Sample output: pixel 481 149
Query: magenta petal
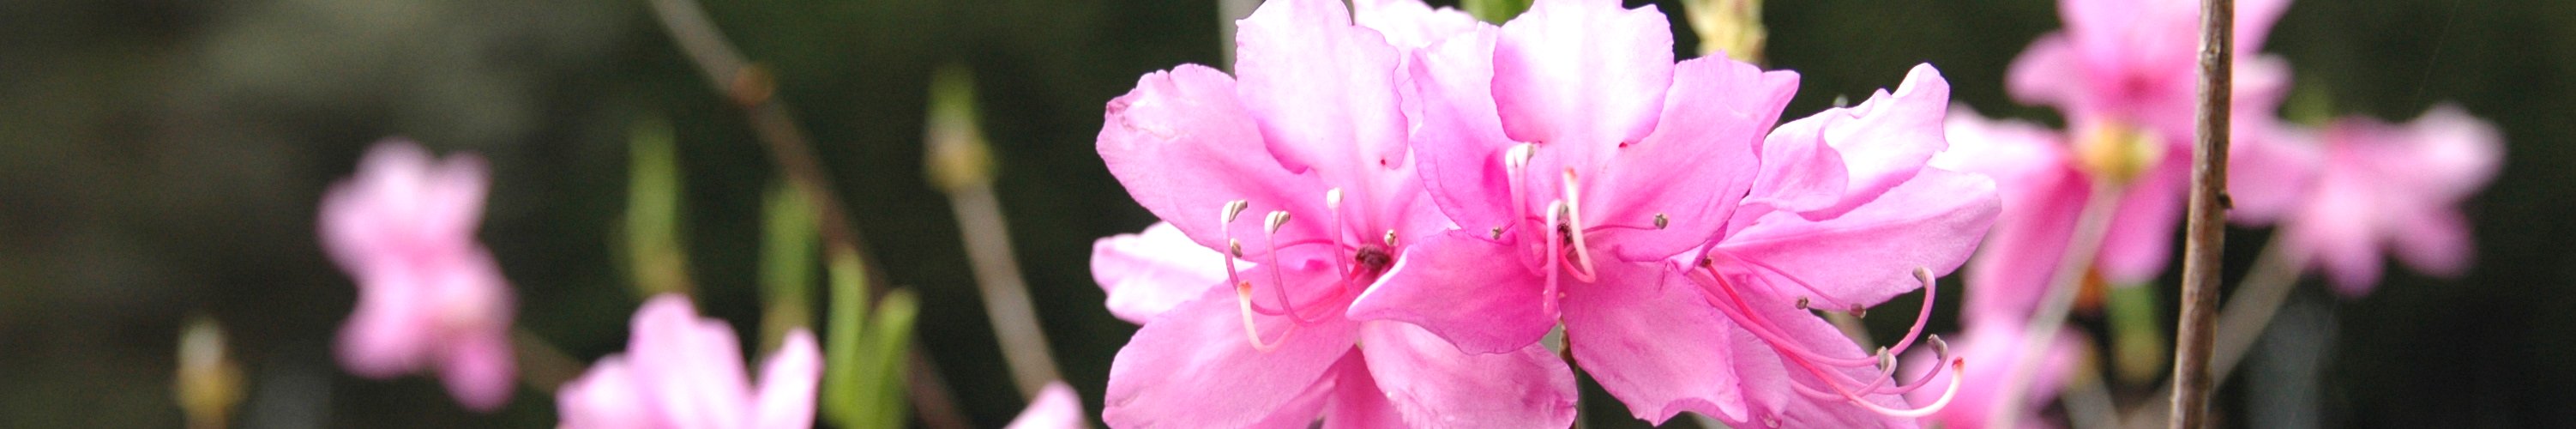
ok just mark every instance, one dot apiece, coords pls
pixel 1356 401
pixel 693 366
pixel 1585 73
pixel 1184 146
pixel 1461 141
pixel 1324 94
pixel 2268 176
pixel 1651 339
pixel 787 383
pixel 1433 384
pixel 606 397
pixel 2139 242
pixel 479 370
pixel 1195 368
pixel 2041 194
pixel 2047 73
pixel 1881 142
pixel 1870 253
pixel 1056 407
pixel 1689 171
pixel 390 333
pixel 1147 273
pixel 1468 290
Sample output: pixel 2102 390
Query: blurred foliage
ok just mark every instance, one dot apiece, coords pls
pixel 160 158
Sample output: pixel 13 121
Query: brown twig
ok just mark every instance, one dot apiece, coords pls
pixel 2205 231
pixel 751 89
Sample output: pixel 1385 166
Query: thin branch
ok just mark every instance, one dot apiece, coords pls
pixel 2259 295
pixel 2064 285
pixel 1006 297
pixel 2205 232
pixel 751 89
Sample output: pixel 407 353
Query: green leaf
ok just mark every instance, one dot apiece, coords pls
pixel 1495 11
pixel 786 265
pixel 653 248
pixel 842 369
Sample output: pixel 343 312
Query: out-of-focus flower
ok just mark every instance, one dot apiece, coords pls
pixel 1055 408
pixel 2394 188
pixel 2123 72
pixel 1570 148
pixel 1313 142
pixel 1995 344
pixel 429 295
pixel 682 371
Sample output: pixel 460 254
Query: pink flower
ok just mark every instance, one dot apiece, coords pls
pixel 2395 187
pixel 1303 167
pixel 429 295
pixel 2123 72
pixel 1055 408
pixel 1995 345
pixel 1583 167
pixel 685 372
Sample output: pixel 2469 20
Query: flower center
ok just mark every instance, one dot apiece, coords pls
pixel 2117 152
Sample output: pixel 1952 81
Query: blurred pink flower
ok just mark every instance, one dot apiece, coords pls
pixel 685 372
pixel 1571 149
pixel 2123 73
pixel 1313 143
pixel 1994 344
pixel 429 295
pixel 2396 187
pixel 1056 407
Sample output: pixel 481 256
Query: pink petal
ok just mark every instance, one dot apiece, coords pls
pixel 2269 176
pixel 1184 146
pixel 1992 348
pixel 606 397
pixel 1870 253
pixel 1195 367
pixel 1651 339
pixel 1300 412
pixel 1324 94
pixel 788 380
pixel 2335 230
pixel 1356 401
pixel 2047 73
pixel 1056 407
pixel 1147 273
pixel 1688 171
pixel 1433 384
pixel 1464 288
pixel 2139 242
pixel 1881 142
pixel 1409 24
pixel 479 370
pixel 1583 73
pixel 2042 196
pixel 693 366
pixel 2455 154
pixel 1461 142
pixel 390 333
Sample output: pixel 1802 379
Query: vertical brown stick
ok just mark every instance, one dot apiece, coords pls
pixel 2205 232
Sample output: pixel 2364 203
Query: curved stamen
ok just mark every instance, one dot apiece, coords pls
pixel 1333 203
pixel 1515 160
pixel 1736 308
pixel 1574 217
pixel 1269 231
pixel 1547 295
pixel 1251 331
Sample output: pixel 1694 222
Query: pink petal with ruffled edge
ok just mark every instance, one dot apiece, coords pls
pixel 1651 339
pixel 1432 384
pixel 1169 374
pixel 1183 145
pixel 1147 273
pixel 1872 147
pixel 1584 74
pixel 1870 253
pixel 1688 173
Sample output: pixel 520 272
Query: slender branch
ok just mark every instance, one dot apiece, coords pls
pixel 2064 285
pixel 751 88
pixel 1006 298
pixel 2205 232
pixel 2259 296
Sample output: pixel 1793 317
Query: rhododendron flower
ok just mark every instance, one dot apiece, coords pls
pixel 682 371
pixel 1055 408
pixel 2124 74
pixel 1996 344
pixel 2395 187
pixel 1302 168
pixel 429 295
pixel 1583 167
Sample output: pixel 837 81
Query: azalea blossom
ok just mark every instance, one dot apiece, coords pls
pixel 683 371
pixel 429 295
pixel 1295 182
pixel 2123 73
pixel 1651 208
pixel 2393 188
pixel 1055 408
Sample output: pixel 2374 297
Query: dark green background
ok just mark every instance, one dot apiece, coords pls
pixel 163 158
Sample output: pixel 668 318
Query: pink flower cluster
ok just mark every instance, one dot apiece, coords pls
pixel 429 295
pixel 1379 218
pixel 681 371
